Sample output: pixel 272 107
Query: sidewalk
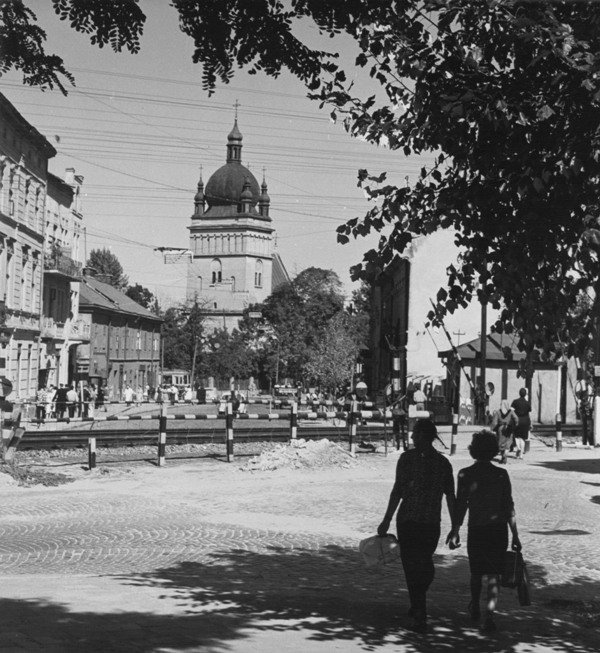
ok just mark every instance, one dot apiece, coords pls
pixel 199 556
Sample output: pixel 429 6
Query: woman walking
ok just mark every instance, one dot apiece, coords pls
pixel 485 491
pixel 504 423
pixel 423 477
pixel 522 409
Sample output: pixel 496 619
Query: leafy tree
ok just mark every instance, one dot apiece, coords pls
pixel 183 332
pixel 106 263
pixel 144 297
pixel 503 94
pixel 332 362
pixel 295 317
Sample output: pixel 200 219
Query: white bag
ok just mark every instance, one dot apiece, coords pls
pixel 379 551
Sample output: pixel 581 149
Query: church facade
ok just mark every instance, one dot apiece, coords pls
pixel 232 241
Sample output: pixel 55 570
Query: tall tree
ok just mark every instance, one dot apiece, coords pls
pixel 182 334
pixel 504 94
pixel 104 262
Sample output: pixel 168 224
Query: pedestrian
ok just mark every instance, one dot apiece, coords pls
pixel 188 395
pixel 419 397
pixel 50 398
pixel 60 399
pixel 100 397
pixel 128 395
pixel 423 477
pixel 172 391
pixel 72 399
pixel 522 408
pixel 504 423
pixel 139 396
pixel 485 491
pixel 41 400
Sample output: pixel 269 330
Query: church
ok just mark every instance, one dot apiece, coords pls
pixel 232 241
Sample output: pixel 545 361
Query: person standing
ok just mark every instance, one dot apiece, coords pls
pixel 423 477
pixel 60 400
pixel 100 397
pixel 522 409
pixel 128 395
pixel 485 491
pixel 72 400
pixel 41 400
pixel 504 423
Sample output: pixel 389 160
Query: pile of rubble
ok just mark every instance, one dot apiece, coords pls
pixel 301 454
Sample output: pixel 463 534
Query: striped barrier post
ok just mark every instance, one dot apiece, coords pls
pixel 229 431
pixel 558 432
pixel 91 453
pixel 162 435
pixel 294 421
pixel 352 427
pixel 454 434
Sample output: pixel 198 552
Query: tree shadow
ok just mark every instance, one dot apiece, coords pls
pixel 581 466
pixel 305 595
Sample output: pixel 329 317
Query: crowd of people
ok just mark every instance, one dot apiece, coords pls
pixel 424 477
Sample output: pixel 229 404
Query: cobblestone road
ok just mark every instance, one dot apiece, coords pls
pixel 233 559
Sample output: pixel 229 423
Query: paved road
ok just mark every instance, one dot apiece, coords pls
pixel 199 556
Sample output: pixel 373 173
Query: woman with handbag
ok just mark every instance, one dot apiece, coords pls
pixel 485 491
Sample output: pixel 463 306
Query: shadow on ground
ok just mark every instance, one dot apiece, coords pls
pixel 581 466
pixel 305 595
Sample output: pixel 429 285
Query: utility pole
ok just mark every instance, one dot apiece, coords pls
pixel 483 362
pixel 458 334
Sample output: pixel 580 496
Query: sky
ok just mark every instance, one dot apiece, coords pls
pixel 140 127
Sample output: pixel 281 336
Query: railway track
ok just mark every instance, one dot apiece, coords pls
pixel 78 438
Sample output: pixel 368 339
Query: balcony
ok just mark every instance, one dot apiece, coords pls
pixel 63 266
pixel 76 330
pixel 51 328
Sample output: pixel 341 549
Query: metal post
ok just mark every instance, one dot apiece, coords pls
pixel 162 435
pixel 294 421
pixel 229 431
pixel 352 427
pixel 454 433
pixel 558 432
pixel 91 453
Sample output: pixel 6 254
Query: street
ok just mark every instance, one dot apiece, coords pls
pixel 200 556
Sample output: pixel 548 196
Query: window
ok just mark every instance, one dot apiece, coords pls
pixel 258 272
pixel 199 284
pixel 232 284
pixel 216 271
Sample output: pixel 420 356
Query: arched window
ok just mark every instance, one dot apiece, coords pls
pixel 258 272
pixel 216 271
pixel 232 284
pixel 199 284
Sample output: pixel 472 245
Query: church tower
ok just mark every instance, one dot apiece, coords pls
pixel 231 240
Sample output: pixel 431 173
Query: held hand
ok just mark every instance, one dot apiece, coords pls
pixel 453 540
pixel 382 529
pixel 516 543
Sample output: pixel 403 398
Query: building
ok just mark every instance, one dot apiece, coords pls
pixel 62 329
pixel 124 343
pixel 24 156
pixel 552 388
pixel 233 262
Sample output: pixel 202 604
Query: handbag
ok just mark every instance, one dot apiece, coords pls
pixel 379 551
pixel 512 572
pixel 524 589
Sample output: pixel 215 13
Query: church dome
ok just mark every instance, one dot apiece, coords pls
pixel 226 185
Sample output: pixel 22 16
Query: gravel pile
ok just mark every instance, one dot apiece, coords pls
pixel 301 454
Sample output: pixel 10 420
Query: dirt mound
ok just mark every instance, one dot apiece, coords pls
pixel 301 454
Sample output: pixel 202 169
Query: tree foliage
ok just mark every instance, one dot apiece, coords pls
pixel 183 331
pixel 503 94
pixel 331 363
pixel 104 262
pixel 143 297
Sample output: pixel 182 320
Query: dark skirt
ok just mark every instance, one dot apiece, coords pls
pixel 486 546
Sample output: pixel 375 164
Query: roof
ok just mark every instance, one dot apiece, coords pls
pixel 499 346
pixel 279 274
pixel 225 186
pixel 97 294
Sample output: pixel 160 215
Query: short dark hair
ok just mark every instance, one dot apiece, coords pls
pixel 484 445
pixel 426 428
pixel 523 392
